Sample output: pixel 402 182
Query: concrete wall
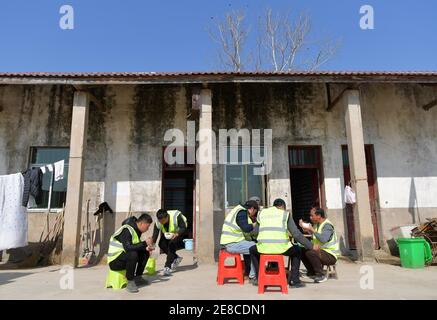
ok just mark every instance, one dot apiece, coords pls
pixel 404 139
pixel 296 113
pixel 125 139
pixel 125 147
pixel 403 135
pixel 123 163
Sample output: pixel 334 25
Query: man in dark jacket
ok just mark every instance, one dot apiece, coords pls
pixel 238 231
pixel 171 223
pixel 134 253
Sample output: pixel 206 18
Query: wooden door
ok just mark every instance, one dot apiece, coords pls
pixel 371 182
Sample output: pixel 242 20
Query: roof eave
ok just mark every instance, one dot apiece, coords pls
pixel 219 78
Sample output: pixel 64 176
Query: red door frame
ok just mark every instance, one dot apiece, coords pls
pixel 185 167
pixel 373 191
pixel 318 166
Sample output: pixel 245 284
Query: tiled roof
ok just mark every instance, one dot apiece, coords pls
pixel 86 78
pixel 214 73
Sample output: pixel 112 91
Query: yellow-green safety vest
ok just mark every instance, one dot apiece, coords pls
pixel 116 247
pixel 231 232
pixel 273 237
pixel 332 246
pixel 173 222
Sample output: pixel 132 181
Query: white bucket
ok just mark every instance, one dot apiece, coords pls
pixel 402 231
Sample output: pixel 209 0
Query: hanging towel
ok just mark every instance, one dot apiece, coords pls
pixel 59 170
pixel 13 216
pixel 43 169
pixel 50 167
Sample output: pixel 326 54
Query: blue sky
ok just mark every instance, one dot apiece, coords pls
pixel 170 35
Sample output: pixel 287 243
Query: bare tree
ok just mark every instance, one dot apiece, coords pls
pixel 231 35
pixel 283 39
pixel 282 44
pixel 327 50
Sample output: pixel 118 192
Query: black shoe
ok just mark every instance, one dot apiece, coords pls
pixel 320 278
pixel 308 275
pixel 140 281
pixel 299 284
pixel 131 287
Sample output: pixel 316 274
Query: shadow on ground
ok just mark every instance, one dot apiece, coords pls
pixel 156 279
pixel 9 277
pixel 186 268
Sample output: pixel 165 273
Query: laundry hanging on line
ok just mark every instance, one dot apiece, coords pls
pixel 33 179
pixel 56 168
pixel 13 215
pixel 59 170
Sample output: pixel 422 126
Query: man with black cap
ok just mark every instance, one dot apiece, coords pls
pixel 238 225
pixel 275 225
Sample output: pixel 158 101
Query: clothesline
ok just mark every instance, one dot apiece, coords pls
pixel 15 190
pixel 58 168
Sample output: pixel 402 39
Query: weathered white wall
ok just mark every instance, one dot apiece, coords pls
pixel 404 139
pixel 296 114
pixel 123 160
pixel 124 152
pixel 403 135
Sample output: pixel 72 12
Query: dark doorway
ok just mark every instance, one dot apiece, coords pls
pixel 306 177
pixel 178 191
pixel 371 181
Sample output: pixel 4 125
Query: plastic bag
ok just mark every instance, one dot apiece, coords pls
pixel 349 195
pixel 151 266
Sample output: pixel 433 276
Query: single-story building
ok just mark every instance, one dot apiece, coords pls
pixel 374 131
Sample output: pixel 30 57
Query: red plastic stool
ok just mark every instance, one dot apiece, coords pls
pixel 268 278
pixel 235 271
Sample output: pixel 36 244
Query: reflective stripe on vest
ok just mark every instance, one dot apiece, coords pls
pixel 231 232
pixel 332 246
pixel 273 235
pixel 116 247
pixel 172 221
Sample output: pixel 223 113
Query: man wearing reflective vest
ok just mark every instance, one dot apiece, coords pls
pixel 174 224
pixel 127 251
pixel 275 227
pixel 236 232
pixel 326 248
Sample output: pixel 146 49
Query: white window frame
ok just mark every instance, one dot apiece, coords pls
pixel 264 180
pixel 39 165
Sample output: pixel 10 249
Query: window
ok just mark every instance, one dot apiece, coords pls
pixel 241 182
pixel 42 156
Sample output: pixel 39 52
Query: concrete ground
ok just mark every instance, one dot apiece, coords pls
pixel 198 282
